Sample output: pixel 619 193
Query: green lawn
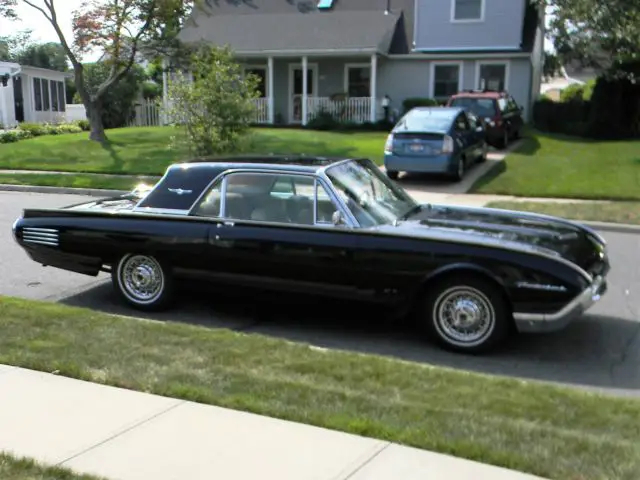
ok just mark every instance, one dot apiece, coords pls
pixel 78 180
pixel 13 468
pixel 568 167
pixel 614 212
pixel 547 430
pixel 146 150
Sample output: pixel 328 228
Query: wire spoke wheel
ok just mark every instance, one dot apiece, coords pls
pixel 142 281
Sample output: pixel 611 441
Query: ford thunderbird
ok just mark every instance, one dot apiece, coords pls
pixel 329 226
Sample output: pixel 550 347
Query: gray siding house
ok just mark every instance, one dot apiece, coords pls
pixel 345 56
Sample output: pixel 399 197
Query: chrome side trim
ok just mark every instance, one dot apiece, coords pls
pixel 540 286
pixel 579 304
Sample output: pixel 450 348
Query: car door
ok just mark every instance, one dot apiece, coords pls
pixel 270 235
pixel 477 134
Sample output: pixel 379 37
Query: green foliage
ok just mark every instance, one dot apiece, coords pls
pixel 151 90
pixel 34 129
pixel 561 117
pixel 117 102
pixel 31 130
pixel 413 102
pixel 578 92
pixel 84 125
pixel 217 108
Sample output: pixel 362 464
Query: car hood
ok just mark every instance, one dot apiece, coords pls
pixel 493 227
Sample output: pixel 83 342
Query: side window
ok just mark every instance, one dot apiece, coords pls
pixel 324 205
pixel 473 121
pixel 503 105
pixel 461 123
pixel 209 205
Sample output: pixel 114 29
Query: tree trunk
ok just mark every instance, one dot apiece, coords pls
pixel 94 113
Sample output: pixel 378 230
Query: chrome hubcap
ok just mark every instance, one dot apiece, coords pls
pixel 464 316
pixel 142 278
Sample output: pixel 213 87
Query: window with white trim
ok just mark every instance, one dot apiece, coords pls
pixel 465 10
pixel 446 80
pixel 493 76
pixel 49 95
pixel 359 81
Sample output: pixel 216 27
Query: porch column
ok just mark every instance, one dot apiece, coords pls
pixel 4 116
pixel 373 87
pixel 305 67
pixel 270 90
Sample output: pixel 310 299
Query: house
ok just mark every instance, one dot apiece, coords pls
pixel 345 56
pixel 31 94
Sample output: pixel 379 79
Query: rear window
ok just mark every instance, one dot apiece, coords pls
pixel 481 107
pixel 179 189
pixel 426 121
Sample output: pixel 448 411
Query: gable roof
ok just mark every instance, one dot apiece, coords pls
pixel 298 26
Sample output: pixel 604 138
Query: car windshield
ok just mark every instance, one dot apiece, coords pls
pixel 482 107
pixel 431 120
pixel 371 197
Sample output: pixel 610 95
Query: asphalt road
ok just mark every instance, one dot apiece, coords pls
pixel 601 350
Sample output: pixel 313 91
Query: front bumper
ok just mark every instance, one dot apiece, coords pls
pixel 551 322
pixel 420 164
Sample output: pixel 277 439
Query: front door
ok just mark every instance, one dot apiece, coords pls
pixel 295 90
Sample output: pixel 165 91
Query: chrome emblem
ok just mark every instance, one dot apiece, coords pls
pixel 179 191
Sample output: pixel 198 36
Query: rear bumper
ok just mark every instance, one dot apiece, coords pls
pixel 550 322
pixel 426 164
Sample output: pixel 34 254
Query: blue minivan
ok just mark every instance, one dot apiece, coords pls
pixel 443 140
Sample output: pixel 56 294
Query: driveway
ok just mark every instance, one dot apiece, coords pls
pixel 599 351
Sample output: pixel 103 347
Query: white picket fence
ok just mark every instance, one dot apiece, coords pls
pixel 74 112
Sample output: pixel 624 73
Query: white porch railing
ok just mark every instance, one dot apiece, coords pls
pixel 353 109
pixel 262 110
pixel 7 107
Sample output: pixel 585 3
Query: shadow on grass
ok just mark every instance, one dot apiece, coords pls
pixel 117 164
pixel 366 328
pixel 529 146
pixel 265 144
pixel 498 169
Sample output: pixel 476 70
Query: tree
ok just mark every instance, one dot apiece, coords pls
pixel 551 65
pixel 49 55
pixel 217 107
pixel 120 28
pixel 601 34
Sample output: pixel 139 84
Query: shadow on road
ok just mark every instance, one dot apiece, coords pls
pixel 582 354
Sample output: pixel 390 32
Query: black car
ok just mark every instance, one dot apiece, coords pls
pixel 336 227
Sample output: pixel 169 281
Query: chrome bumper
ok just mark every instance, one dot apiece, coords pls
pixel 549 322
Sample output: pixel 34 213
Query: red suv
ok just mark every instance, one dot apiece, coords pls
pixel 499 112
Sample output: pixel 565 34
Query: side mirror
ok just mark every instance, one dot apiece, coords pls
pixel 337 218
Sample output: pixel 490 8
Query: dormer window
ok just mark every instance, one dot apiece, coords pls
pixel 467 10
pixel 325 4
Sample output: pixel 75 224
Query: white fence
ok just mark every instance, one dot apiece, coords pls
pixel 75 112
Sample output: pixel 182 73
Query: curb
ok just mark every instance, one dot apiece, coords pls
pixel 91 192
pixel 96 192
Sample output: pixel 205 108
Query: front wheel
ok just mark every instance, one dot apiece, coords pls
pixel 465 314
pixel 143 281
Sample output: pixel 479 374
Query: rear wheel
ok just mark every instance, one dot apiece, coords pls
pixel 504 141
pixel 483 156
pixel 393 175
pixel 143 281
pixel 465 313
pixel 460 169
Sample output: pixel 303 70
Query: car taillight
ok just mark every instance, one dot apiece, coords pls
pixel 388 146
pixel 447 144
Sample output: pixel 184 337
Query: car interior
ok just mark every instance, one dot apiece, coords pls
pixel 266 198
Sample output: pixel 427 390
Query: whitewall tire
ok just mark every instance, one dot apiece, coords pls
pixel 143 281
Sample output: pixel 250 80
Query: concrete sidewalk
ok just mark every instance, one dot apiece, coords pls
pixel 127 435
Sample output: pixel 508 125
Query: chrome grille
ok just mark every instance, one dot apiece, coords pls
pixel 40 236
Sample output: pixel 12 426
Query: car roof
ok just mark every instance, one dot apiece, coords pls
pixel 440 111
pixel 480 94
pixel 300 163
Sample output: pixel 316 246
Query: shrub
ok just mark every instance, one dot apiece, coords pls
pixel 413 102
pixel 35 129
pixel 561 117
pixel 323 120
pixel 572 93
pixel 67 128
pixel 10 136
pixel 84 125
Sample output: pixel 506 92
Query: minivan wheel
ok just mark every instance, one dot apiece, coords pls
pixel 465 313
pixel 143 281
pixel 460 168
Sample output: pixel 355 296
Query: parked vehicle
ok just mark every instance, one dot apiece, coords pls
pixel 435 140
pixel 336 227
pixel 501 115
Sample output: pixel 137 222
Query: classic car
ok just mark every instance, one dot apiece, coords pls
pixel 442 140
pixel 329 226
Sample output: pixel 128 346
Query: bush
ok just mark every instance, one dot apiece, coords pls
pixel 572 93
pixel 561 117
pixel 84 125
pixel 413 102
pixel 10 137
pixel 323 120
pixel 35 129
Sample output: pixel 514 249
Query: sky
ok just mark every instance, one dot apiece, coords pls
pixel 42 31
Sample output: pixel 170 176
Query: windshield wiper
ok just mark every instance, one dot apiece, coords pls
pixel 413 210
